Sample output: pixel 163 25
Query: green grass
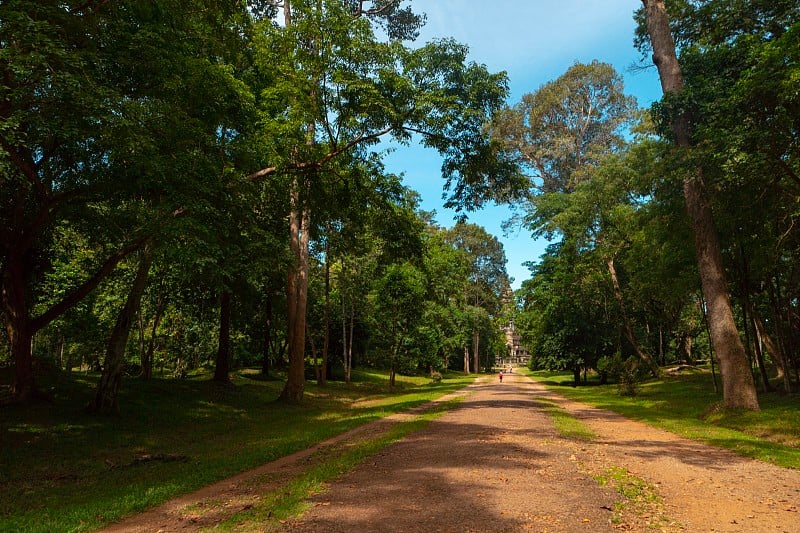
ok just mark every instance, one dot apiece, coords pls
pixel 687 405
pixel 567 425
pixel 641 498
pixel 64 470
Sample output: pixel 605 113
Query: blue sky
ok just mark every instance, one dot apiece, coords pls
pixel 534 41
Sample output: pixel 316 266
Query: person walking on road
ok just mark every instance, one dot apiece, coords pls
pixel 501 376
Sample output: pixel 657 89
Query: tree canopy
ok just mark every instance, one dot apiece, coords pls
pixel 199 186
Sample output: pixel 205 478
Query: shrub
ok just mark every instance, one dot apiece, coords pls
pixel 626 373
pixel 630 377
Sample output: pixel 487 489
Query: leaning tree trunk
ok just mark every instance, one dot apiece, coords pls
pixel 774 350
pixel 627 327
pixel 106 398
pixel 222 367
pixel 738 387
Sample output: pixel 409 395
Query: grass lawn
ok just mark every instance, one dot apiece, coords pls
pixel 687 405
pixel 64 470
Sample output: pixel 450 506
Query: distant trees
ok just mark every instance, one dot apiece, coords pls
pixel 564 137
pixel 341 89
pixel 485 285
pixel 566 317
pixel 718 142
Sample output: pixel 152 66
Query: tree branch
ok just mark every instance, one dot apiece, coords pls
pixel 28 170
pixel 375 10
pixel 88 286
pixel 87 5
pixel 789 172
pixel 301 167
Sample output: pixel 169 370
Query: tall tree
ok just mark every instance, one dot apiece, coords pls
pixel 487 280
pixel 738 386
pixel 106 398
pixel 738 61
pixel 561 134
pixel 346 89
pixel 397 299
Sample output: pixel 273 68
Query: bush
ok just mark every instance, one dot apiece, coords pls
pixel 626 373
pixel 610 368
pixel 630 377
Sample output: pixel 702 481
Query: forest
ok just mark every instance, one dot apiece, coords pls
pixel 196 187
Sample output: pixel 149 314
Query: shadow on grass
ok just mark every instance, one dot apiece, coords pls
pixel 84 465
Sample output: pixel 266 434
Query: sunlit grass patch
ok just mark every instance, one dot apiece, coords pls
pixel 567 425
pixel 640 498
pixel 687 405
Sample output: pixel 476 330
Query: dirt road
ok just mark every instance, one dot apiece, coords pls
pixel 496 463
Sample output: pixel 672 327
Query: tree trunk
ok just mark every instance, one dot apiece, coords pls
pixel 222 367
pixel 18 323
pixel 627 327
pixel 476 339
pixel 313 348
pixel 142 343
pixel 466 359
pixel 347 346
pixel 393 369
pixel 783 333
pixel 326 318
pixel 349 366
pixel 106 398
pixel 344 335
pixel 762 368
pixel 711 356
pixel 20 337
pixel 148 355
pixel 774 349
pixel 62 341
pixel 266 342
pixel 738 387
pixel 747 311
pixel 297 297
